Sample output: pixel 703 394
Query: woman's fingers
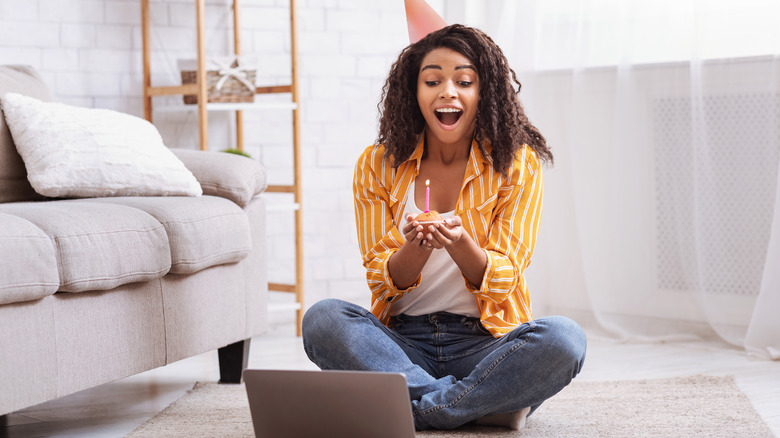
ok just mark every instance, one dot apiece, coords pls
pixel 454 221
pixel 437 235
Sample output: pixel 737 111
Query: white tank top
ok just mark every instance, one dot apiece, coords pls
pixel 442 287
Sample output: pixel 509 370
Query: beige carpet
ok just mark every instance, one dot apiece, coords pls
pixel 696 406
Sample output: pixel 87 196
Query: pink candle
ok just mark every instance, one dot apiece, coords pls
pixel 427 193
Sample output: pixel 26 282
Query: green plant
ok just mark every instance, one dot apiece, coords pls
pixel 237 152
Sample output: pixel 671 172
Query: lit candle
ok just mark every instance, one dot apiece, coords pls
pixel 427 193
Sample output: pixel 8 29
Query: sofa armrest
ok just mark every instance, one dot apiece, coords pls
pixel 225 175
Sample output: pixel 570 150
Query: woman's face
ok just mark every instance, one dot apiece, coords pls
pixel 447 92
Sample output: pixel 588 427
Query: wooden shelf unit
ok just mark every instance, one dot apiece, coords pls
pixel 203 108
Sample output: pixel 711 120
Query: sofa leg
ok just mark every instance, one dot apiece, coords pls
pixel 233 361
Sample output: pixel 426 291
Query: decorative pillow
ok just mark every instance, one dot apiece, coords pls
pixel 228 176
pixel 86 152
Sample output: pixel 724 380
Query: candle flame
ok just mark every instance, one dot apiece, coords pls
pixel 427 182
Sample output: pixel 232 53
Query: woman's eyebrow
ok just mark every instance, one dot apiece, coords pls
pixel 457 67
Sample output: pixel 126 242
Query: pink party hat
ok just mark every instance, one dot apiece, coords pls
pixel 421 19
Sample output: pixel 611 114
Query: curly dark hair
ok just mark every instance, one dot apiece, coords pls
pixel 500 116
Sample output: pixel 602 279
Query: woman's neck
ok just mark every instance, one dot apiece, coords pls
pixel 446 153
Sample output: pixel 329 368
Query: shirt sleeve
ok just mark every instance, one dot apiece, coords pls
pixel 378 236
pixel 513 231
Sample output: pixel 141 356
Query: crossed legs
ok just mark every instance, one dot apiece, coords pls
pixel 455 373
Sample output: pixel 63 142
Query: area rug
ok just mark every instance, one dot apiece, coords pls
pixel 702 406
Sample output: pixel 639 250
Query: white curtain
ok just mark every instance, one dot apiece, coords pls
pixel 662 212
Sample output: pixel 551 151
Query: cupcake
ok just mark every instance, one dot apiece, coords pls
pixel 429 217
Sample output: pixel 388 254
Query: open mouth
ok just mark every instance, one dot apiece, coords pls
pixel 448 116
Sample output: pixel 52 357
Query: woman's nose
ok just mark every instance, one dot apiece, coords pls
pixel 448 91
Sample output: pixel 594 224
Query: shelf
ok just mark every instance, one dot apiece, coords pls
pixel 282 206
pixel 239 106
pixel 202 109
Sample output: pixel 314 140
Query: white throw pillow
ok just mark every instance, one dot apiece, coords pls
pixel 86 152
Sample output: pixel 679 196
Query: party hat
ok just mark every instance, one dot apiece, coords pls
pixel 421 19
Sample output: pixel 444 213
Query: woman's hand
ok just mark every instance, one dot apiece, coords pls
pixel 470 258
pixel 413 231
pixel 444 234
pixel 406 264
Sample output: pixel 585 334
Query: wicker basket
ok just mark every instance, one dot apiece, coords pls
pixel 229 80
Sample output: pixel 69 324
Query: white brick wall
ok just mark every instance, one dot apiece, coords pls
pixel 89 52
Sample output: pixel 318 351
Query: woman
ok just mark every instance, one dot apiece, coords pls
pixel 450 308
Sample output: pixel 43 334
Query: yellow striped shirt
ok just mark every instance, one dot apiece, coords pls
pixel 501 214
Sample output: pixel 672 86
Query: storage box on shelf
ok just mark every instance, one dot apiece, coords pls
pixel 230 79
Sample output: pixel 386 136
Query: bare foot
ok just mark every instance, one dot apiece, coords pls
pixel 511 420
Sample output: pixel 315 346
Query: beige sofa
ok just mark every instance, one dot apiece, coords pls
pixel 93 290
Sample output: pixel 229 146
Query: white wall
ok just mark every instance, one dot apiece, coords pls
pixel 89 52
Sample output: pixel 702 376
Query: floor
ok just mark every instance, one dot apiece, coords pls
pixel 117 408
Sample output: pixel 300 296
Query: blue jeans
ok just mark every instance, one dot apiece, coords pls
pixel 455 370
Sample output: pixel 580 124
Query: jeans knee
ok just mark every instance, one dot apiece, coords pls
pixel 319 317
pixel 316 325
pixel 569 337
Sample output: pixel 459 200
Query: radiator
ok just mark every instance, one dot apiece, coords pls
pixel 716 176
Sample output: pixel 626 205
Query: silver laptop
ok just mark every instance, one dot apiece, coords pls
pixel 323 404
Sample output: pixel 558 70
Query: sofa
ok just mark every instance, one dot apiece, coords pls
pixel 94 289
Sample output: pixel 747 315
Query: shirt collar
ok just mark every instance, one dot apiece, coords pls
pixel 476 164
pixel 474 167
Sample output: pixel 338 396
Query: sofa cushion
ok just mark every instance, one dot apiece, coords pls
pixel 99 246
pixel 226 175
pixel 28 266
pixel 84 152
pixel 14 185
pixel 202 232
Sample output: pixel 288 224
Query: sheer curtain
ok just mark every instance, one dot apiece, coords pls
pixel 662 212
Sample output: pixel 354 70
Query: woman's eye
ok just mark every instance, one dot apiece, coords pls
pixel 431 83
pixel 464 83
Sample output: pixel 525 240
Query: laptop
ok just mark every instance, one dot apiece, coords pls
pixel 324 404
